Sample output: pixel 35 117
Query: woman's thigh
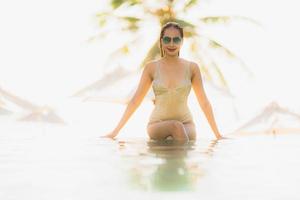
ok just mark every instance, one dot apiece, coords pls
pixel 163 129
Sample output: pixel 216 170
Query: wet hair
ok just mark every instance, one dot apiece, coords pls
pixel 162 32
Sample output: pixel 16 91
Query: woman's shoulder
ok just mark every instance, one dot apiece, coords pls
pixel 153 62
pixel 150 67
pixel 190 63
pixel 193 66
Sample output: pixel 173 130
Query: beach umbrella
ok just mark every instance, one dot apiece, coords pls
pixel 43 113
pixel 3 109
pixel 33 112
pixel 272 119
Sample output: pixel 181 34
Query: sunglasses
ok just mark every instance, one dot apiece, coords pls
pixel 167 39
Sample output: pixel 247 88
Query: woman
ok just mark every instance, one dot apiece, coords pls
pixel 172 79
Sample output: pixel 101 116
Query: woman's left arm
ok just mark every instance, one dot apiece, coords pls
pixel 202 98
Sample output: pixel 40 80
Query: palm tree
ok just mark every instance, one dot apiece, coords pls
pixel 201 46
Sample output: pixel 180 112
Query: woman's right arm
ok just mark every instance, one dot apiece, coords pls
pixel 143 87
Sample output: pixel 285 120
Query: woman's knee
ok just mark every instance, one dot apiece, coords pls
pixel 177 125
pixel 171 127
pixel 178 129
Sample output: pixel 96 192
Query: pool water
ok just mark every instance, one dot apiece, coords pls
pixel 43 162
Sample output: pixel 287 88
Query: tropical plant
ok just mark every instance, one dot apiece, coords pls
pixel 130 15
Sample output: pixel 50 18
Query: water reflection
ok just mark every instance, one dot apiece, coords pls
pixel 165 165
pixel 173 173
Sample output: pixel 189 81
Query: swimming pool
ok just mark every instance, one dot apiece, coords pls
pixel 49 162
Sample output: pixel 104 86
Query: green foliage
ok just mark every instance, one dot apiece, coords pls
pixel 117 3
pixel 226 19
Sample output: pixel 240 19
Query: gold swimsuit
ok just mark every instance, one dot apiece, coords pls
pixel 171 103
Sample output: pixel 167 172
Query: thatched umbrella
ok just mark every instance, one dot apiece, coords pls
pixel 3 109
pixel 272 119
pixel 36 113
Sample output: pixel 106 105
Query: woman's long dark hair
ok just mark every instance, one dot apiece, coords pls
pixel 162 32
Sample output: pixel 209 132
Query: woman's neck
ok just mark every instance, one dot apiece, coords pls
pixel 171 58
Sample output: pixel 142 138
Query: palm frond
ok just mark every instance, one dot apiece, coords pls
pixel 208 78
pixel 189 4
pixel 206 73
pixel 215 44
pixel 207 64
pixel 100 35
pixel 199 58
pixel 227 19
pixel 124 50
pixel 188 27
pixel 131 19
pixel 134 2
pixel 117 3
pixel 152 54
pixel 132 22
pixel 102 18
pixel 219 74
pixel 205 68
pixel 184 23
pixel 194 48
pixel 211 64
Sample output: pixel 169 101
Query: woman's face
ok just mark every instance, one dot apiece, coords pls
pixel 171 41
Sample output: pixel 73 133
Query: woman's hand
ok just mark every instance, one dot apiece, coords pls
pixel 111 134
pixel 220 137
